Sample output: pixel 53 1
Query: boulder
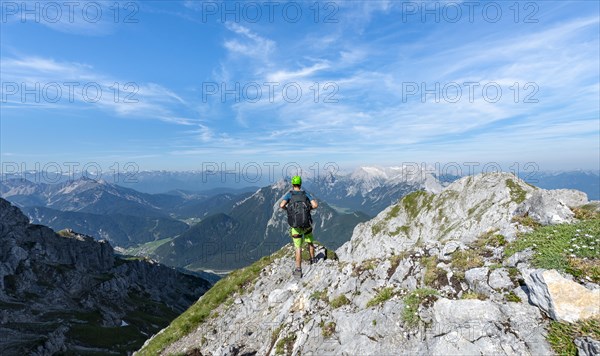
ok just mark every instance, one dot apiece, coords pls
pixel 551 207
pixel 499 279
pixel 560 298
pixel 586 346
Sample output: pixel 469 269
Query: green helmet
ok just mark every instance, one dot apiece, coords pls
pixel 296 180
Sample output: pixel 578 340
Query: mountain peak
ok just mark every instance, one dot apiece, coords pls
pixel 463 211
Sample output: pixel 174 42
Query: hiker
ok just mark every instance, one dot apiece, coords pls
pixel 298 204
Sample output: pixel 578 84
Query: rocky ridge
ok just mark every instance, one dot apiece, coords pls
pixel 427 276
pixel 57 290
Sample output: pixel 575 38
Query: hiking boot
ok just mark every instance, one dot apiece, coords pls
pixel 298 272
pixel 312 260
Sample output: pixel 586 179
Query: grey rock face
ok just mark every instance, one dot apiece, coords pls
pixel 474 327
pixel 50 282
pixel 586 346
pixel 477 278
pixel 499 279
pixel 463 211
pixel 552 207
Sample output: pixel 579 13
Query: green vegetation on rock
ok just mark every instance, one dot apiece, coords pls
pixel 561 335
pixel 434 276
pixel 416 201
pixel 319 295
pixel 473 295
pixel 526 221
pixel 512 297
pixel 572 248
pixel 327 329
pixel 223 290
pixel 587 212
pixel 413 300
pixel 339 301
pixel 285 344
pixel 517 194
pixel 382 296
pixel 465 260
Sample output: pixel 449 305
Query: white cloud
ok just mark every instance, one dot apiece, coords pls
pixel 250 44
pixel 76 86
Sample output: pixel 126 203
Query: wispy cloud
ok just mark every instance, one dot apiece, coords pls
pixel 557 65
pixel 248 43
pixel 53 84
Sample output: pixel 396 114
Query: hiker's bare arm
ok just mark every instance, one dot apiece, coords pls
pixel 283 204
pixel 314 204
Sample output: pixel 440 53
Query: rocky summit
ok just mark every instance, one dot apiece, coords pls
pixel 67 293
pixel 485 267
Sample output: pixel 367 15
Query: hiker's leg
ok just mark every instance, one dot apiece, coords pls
pixel 308 237
pixel 297 239
pixel 298 257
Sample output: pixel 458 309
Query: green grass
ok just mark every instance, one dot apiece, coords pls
pixel 514 274
pixel 286 343
pixel 378 227
pixel 339 301
pixel 491 238
pixel 395 262
pixel 526 221
pixel 463 260
pixel 383 295
pixel 561 335
pixel 512 297
pixel 366 265
pixel 415 201
pixel 400 229
pixel 586 212
pixel 517 194
pixel 331 255
pixel 572 248
pixel 434 276
pixel 319 295
pixel 275 334
pixel 411 304
pixel 393 213
pixel 224 289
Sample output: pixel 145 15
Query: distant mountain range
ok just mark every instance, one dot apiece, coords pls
pixel 253 227
pixel 372 189
pixel 224 228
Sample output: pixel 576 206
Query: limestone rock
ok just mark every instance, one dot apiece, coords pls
pixel 586 346
pixel 463 211
pixel 548 208
pixel 499 279
pixel 562 299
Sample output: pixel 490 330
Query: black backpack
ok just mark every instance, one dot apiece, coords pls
pixel 298 210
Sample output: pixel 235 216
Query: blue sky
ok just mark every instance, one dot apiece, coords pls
pixel 369 74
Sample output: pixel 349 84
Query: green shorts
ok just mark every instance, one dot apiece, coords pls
pixel 304 235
